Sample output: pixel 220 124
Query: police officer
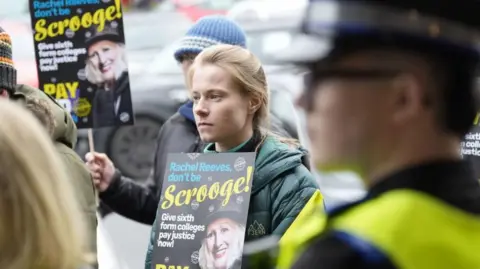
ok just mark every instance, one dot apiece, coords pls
pixel 390 95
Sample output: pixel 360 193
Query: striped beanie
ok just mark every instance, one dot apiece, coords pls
pixel 209 31
pixel 8 73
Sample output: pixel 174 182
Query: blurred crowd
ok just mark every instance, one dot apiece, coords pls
pixel 388 101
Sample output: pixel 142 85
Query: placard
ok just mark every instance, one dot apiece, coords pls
pixel 203 211
pixel 81 59
pixel 471 146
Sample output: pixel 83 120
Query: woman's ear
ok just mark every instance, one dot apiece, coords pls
pixel 254 105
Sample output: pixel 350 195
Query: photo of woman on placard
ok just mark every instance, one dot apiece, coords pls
pixel 222 245
pixel 106 68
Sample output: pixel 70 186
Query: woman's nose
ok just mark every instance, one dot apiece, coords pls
pixel 218 240
pixel 200 108
pixel 101 58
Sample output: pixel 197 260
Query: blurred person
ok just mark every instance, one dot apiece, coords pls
pixel 41 109
pixel 64 133
pixel 106 67
pixel 222 246
pixel 230 103
pixel 390 97
pixel 178 134
pixel 41 223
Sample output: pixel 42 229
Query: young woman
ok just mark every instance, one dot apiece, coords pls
pixel 230 103
pixel 41 225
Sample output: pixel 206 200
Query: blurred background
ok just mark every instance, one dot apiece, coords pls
pixel 153 29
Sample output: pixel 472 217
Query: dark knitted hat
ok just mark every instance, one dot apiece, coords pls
pixel 8 73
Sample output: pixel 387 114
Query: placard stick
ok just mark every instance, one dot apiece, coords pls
pixel 90 140
pixel 91 145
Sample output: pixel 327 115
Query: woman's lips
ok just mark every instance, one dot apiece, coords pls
pixel 204 125
pixel 106 68
pixel 220 253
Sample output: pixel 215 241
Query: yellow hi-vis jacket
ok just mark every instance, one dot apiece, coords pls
pixel 308 224
pixel 413 229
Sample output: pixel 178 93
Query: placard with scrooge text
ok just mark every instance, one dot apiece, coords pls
pixel 81 59
pixel 203 211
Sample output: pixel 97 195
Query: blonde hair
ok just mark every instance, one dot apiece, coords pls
pixel 248 74
pixel 94 75
pixel 205 257
pixel 40 221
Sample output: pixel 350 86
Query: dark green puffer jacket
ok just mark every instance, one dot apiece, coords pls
pixel 282 186
pixel 65 137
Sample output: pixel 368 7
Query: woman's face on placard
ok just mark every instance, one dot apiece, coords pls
pixel 220 241
pixel 103 55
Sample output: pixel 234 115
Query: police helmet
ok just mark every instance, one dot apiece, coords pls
pixel 444 30
pixel 450 25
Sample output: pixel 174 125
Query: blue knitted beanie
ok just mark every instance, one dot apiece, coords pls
pixel 209 31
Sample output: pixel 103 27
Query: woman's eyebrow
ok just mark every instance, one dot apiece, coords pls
pixel 216 90
pixel 209 91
